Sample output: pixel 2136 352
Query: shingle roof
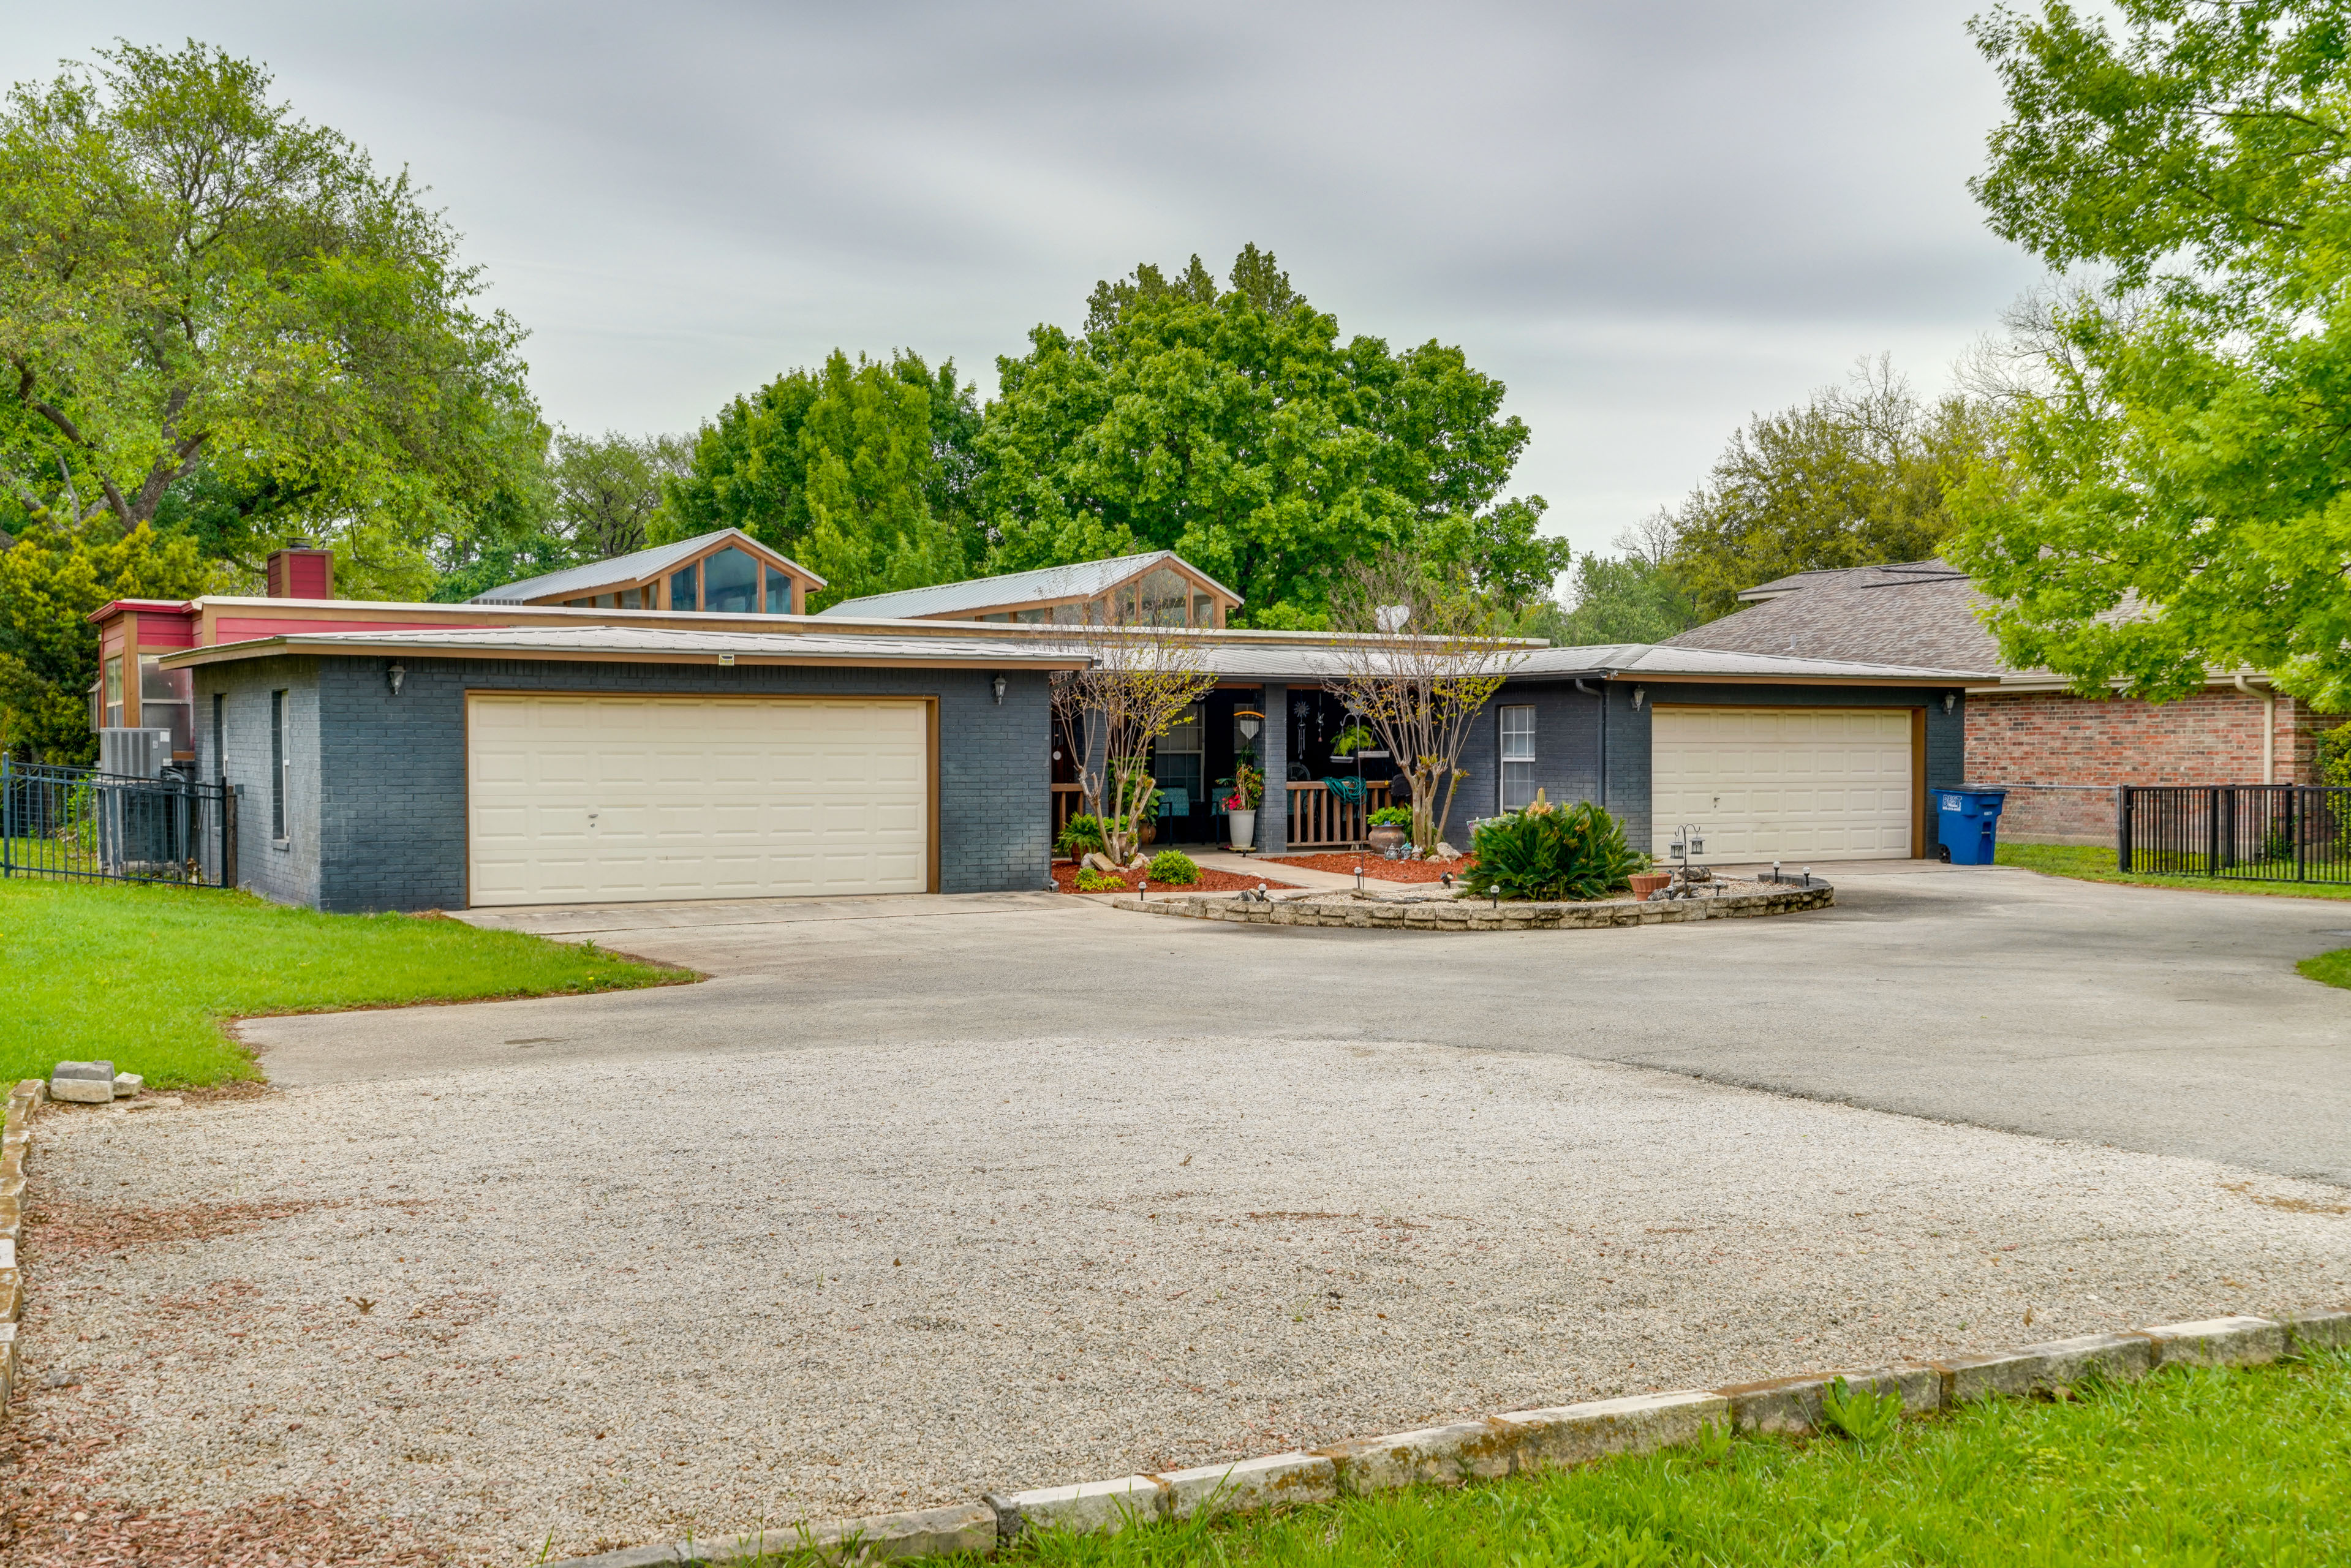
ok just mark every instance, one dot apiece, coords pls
pixel 621 568
pixel 1623 659
pixel 1917 613
pixel 1080 581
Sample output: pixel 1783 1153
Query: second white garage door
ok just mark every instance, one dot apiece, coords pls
pixel 604 799
pixel 1783 783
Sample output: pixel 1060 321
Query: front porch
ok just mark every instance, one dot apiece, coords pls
pixel 1317 797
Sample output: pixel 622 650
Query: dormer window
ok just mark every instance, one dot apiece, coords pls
pixel 730 583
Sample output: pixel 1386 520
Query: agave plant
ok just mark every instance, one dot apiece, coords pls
pixel 1548 851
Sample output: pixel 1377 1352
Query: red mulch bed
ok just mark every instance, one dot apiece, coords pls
pixel 1376 868
pixel 1065 877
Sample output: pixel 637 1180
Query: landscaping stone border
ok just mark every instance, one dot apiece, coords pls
pixel 15 1142
pixel 1519 1442
pixel 1392 911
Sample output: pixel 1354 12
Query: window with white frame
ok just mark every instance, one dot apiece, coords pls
pixel 1517 757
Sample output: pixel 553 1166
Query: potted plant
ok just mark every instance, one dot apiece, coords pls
pixel 1353 736
pixel 1390 828
pixel 1240 805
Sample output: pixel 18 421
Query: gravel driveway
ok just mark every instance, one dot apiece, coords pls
pixel 451 1317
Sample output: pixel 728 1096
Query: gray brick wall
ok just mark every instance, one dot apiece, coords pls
pixel 1568 740
pixel 382 825
pixel 285 868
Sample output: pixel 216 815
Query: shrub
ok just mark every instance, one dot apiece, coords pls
pixel 1174 866
pixel 1092 880
pixel 1391 817
pixel 1548 851
pixel 1081 836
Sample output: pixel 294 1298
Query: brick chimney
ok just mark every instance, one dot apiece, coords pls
pixel 301 570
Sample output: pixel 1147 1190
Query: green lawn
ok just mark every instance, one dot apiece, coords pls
pixel 2201 1466
pixel 144 975
pixel 2095 862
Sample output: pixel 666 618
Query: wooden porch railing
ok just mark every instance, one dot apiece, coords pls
pixel 1065 806
pixel 1319 819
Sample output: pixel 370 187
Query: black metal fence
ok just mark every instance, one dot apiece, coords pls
pixel 78 824
pixel 2242 833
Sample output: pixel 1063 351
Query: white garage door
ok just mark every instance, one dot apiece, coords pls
pixel 603 799
pixel 1791 784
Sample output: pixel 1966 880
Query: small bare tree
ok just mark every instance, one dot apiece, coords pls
pixel 1139 681
pixel 1418 669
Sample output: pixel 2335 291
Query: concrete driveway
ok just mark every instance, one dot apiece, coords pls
pixel 2165 1022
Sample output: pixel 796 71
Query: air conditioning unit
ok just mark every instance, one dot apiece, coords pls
pixel 134 753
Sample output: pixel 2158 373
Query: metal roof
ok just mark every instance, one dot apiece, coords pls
pixel 621 644
pixel 1081 580
pixel 619 568
pixel 1318 660
pixel 1299 657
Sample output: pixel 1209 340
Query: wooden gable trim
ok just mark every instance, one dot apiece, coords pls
pixel 1225 601
pixel 802 580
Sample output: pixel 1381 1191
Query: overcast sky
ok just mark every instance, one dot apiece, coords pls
pixel 1651 220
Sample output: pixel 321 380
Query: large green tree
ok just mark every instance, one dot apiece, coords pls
pixel 862 470
pixel 608 488
pixel 218 316
pixel 1234 426
pixel 51 579
pixel 2182 490
pixel 1854 475
pixel 1633 596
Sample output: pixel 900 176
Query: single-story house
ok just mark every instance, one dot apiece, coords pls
pixel 393 755
pixel 2059 756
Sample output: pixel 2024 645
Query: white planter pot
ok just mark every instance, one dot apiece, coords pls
pixel 1243 832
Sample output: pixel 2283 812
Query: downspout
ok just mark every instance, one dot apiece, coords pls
pixel 1602 694
pixel 2269 728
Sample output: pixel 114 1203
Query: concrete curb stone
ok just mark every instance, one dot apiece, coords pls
pixel 1447 1455
pixel 1086 1506
pixel 1517 1442
pixel 2329 1328
pixel 925 1532
pixel 1567 1435
pixel 1248 1484
pixel 2036 1368
pixel 16 1143
pixel 1792 1405
pixel 2218 1341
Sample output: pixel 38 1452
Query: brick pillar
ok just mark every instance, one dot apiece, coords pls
pixel 1274 750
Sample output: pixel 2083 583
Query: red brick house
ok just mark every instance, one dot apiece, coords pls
pixel 2059 755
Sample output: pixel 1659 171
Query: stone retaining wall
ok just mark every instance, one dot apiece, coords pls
pixel 1372 911
pixel 16 1138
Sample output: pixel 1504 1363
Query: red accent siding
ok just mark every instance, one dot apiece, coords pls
pixel 245 628
pixel 166 628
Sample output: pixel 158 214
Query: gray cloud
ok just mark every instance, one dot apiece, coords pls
pixel 1650 220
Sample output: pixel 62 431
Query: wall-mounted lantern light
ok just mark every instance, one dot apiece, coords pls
pixel 395 673
pixel 1640 696
pixel 999 684
pixel 1950 699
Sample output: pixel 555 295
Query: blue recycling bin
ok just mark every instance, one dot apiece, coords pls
pixel 1966 823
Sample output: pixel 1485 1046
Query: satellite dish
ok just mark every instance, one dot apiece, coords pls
pixel 1391 618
